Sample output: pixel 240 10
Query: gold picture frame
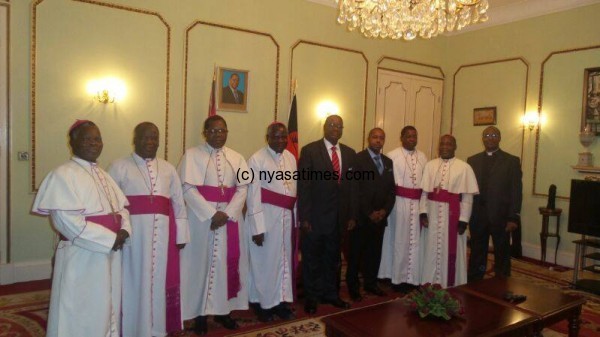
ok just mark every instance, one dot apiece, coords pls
pixel 233 90
pixel 484 116
pixel 590 115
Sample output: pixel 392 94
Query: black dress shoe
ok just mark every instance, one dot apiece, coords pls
pixel 263 315
pixel 375 291
pixel 227 322
pixel 355 296
pixel 310 306
pixel 337 302
pixel 283 311
pixel 200 325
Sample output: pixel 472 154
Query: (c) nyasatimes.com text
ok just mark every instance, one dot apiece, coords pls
pixel 269 176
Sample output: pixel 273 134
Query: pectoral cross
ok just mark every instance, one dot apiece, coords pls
pixel 222 190
pixel 151 198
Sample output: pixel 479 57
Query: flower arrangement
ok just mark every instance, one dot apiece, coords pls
pixel 431 299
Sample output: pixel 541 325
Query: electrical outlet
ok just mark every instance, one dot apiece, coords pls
pixel 22 156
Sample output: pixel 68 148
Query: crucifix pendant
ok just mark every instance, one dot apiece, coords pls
pixel 222 189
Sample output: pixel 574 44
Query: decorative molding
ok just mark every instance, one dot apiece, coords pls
pixel 438 68
pixel 33 73
pixel 318 44
pixel 540 104
pixel 185 75
pixel 5 143
pixel 22 272
pixel 524 61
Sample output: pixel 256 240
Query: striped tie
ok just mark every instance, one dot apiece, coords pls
pixel 335 160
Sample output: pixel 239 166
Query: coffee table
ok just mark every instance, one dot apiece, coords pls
pixel 482 317
pixel 548 305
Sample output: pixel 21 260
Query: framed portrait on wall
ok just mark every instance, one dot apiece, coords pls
pixel 484 116
pixel 233 91
pixel 591 100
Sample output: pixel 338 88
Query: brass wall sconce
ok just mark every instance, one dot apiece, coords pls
pixel 106 90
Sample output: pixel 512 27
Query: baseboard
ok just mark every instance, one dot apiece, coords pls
pixel 562 258
pixel 22 272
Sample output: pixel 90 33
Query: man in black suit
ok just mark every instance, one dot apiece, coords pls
pixel 230 93
pixel 376 200
pixel 327 205
pixel 496 210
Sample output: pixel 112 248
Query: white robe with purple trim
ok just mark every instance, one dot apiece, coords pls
pixel 204 259
pixel 270 280
pixel 86 282
pixel 455 176
pixel 145 260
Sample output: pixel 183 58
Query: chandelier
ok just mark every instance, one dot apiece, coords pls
pixel 408 19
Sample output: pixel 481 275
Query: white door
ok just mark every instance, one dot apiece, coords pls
pixel 406 99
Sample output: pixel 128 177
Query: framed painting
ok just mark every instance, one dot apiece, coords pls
pixel 233 91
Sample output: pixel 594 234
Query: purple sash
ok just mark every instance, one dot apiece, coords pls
pixel 225 194
pixel 108 221
pixel 157 204
pixel 453 201
pixel 410 193
pixel 286 202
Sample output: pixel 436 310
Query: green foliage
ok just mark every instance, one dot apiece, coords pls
pixel 431 299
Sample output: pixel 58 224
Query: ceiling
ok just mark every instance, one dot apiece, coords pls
pixel 505 11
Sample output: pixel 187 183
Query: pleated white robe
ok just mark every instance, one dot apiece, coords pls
pixel 455 176
pixel 86 282
pixel 400 255
pixel 145 260
pixel 270 279
pixel 204 259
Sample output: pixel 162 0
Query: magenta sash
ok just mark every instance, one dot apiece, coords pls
pixel 158 204
pixel 286 202
pixel 108 221
pixel 410 193
pixel 225 194
pixel 453 201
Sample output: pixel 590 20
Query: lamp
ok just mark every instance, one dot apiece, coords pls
pixel 106 90
pixel 326 109
pixel 408 19
pixel 531 120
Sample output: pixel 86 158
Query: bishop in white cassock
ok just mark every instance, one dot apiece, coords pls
pixel 400 259
pixel 151 294
pixel 270 219
pixel 88 210
pixel 214 265
pixel 449 185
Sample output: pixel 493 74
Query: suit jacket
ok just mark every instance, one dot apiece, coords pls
pixel 375 194
pixel 325 203
pixel 227 96
pixel 504 191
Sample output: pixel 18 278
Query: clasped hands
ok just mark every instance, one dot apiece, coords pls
pixel 122 235
pixel 424 220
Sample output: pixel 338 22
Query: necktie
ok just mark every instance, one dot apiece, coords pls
pixel 235 96
pixel 379 164
pixel 335 161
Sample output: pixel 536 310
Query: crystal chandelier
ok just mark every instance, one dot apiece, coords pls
pixel 408 19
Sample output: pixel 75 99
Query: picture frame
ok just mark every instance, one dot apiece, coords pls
pixel 484 116
pixel 590 114
pixel 232 94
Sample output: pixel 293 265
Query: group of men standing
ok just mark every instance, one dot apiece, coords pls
pixel 155 245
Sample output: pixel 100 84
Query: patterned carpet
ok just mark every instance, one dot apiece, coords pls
pixel 23 309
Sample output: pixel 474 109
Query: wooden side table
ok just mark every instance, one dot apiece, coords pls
pixel 544 234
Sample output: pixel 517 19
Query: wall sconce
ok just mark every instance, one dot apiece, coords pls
pixel 106 90
pixel 531 120
pixel 327 108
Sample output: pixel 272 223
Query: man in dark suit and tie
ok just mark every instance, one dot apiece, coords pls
pixel 376 200
pixel 230 93
pixel 496 210
pixel 327 205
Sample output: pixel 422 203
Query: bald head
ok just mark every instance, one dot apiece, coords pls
pixel 333 129
pixel 491 138
pixel 145 139
pixel 447 146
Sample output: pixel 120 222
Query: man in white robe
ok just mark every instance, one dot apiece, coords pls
pixel 400 260
pixel 214 265
pixel 449 185
pixel 88 210
pixel 270 218
pixel 151 293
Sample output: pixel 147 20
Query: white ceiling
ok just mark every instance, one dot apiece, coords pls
pixel 505 11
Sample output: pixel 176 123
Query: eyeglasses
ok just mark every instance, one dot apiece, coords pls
pixel 335 126
pixel 217 131
pixel 491 135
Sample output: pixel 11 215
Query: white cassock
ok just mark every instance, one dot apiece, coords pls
pixel 270 279
pixel 400 258
pixel 204 259
pixel 86 282
pixel 145 260
pixel 457 177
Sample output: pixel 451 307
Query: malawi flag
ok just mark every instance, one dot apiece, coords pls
pixel 212 106
pixel 292 145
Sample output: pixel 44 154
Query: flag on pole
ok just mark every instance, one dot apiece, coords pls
pixel 292 145
pixel 212 106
